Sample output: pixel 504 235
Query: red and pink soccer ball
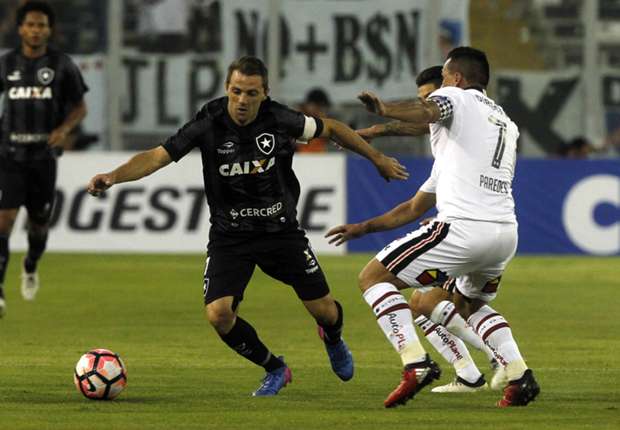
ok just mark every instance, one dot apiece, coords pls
pixel 100 374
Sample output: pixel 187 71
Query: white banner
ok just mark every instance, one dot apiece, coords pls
pixel 167 212
pixel 340 45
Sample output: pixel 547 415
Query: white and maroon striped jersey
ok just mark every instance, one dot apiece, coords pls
pixel 474 144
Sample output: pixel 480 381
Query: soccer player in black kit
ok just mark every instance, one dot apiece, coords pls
pixel 43 101
pixel 247 142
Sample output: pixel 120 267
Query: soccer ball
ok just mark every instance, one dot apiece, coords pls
pixel 100 374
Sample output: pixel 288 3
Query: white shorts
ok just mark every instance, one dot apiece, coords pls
pixel 470 255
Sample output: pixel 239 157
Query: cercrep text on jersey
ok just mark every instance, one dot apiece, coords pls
pixel 494 184
pixel 272 210
pixel 247 167
pixel 20 93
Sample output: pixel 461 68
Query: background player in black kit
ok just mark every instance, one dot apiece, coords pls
pixel 247 142
pixel 43 101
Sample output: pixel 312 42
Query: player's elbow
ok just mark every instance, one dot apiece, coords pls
pixel 328 127
pixel 333 128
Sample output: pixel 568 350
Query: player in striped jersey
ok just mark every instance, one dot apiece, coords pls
pixel 452 349
pixel 472 240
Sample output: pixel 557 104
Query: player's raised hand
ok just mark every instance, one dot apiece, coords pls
pixel 390 168
pixel 342 233
pixel 99 183
pixel 372 102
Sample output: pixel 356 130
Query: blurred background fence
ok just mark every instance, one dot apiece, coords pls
pixel 151 63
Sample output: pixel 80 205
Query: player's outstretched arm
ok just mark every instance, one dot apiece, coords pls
pixel 400 215
pixel 388 167
pixel 392 128
pixel 419 111
pixel 138 166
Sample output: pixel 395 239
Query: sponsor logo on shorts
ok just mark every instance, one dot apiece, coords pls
pixel 432 277
pixel 491 286
pixel 310 262
pixel 312 270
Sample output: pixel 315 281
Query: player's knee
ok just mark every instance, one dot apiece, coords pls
pixel 414 304
pixel 325 311
pixel 374 273
pixel 220 317
pixel 363 281
pixel 366 278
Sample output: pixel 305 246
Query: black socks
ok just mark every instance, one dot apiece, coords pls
pixel 244 340
pixel 332 333
pixel 36 247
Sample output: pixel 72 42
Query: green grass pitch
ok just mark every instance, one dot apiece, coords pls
pixel 148 308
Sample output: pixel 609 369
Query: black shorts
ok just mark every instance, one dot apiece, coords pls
pixel 286 257
pixel 28 183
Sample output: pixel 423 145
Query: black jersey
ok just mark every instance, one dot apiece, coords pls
pixel 249 181
pixel 38 94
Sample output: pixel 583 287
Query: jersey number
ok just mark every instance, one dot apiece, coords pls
pixel 501 142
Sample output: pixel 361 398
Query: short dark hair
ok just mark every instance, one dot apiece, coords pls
pixel 472 63
pixel 36 6
pixel 432 75
pixel 318 96
pixel 249 66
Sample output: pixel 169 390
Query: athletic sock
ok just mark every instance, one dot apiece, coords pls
pixel 36 247
pixel 496 333
pixel 332 333
pixel 243 339
pixel 445 314
pixel 460 327
pixel 474 340
pixel 451 348
pixel 4 257
pixel 396 321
